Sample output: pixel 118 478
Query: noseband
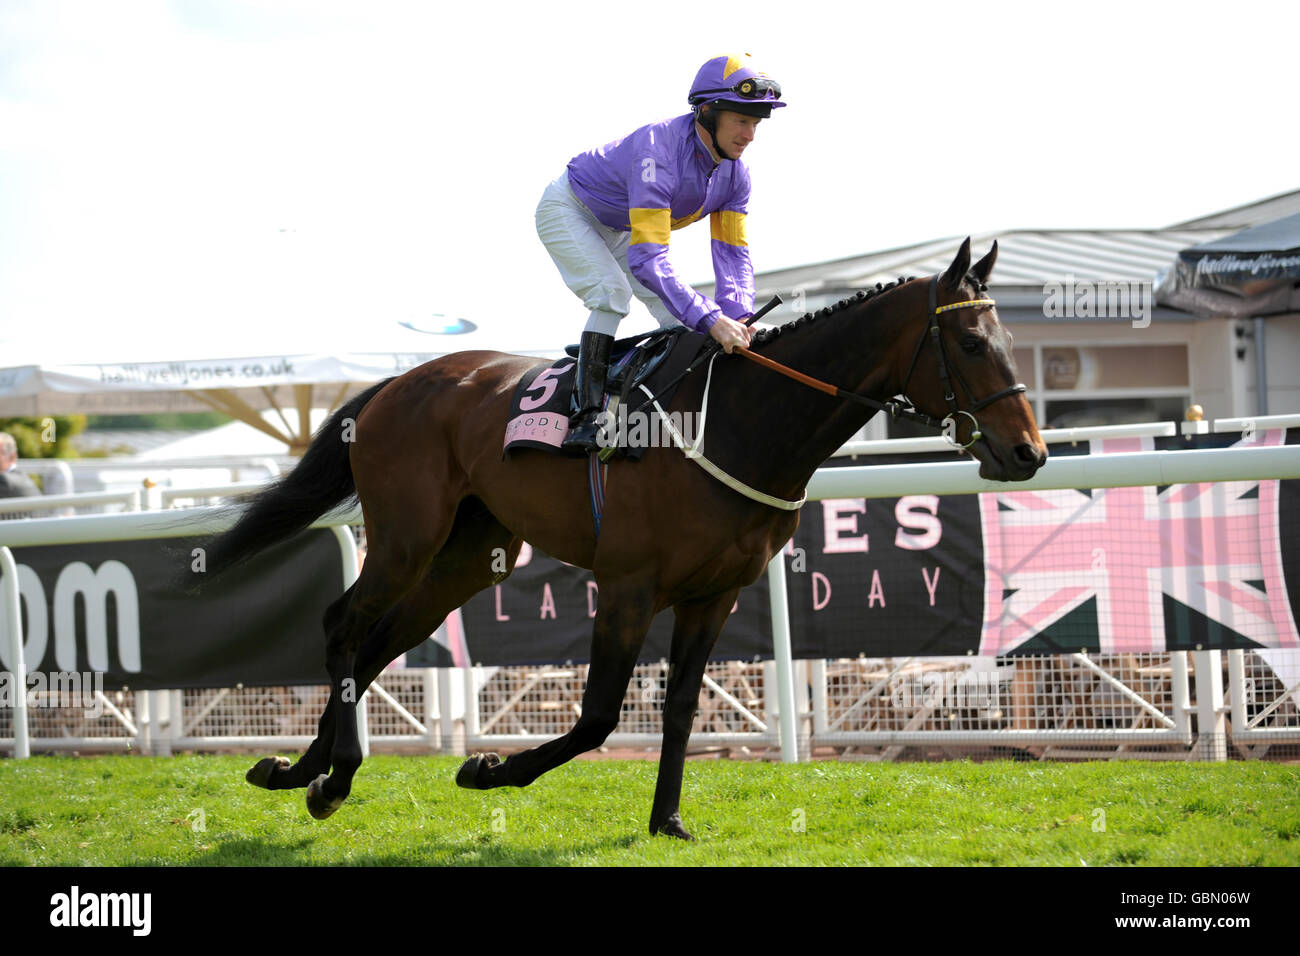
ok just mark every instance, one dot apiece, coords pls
pixel 949 424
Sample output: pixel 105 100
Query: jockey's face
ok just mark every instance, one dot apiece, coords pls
pixel 735 132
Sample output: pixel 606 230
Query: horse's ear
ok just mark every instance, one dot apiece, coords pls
pixel 952 279
pixel 985 265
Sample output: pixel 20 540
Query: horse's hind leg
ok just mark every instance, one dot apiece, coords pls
pixel 459 570
pixel 695 630
pixel 468 562
pixel 395 563
pixel 620 628
pixel 275 773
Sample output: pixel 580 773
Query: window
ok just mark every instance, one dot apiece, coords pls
pixel 1084 385
pixel 1112 411
pixel 1072 386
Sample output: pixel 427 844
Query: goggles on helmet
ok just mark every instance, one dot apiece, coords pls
pixel 753 88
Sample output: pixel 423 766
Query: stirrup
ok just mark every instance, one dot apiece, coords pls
pixel 582 437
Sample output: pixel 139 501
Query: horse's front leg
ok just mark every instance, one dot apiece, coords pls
pixel 695 630
pixel 621 624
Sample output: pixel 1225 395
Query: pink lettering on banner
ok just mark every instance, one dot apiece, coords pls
pixel 840 521
pixel 544 428
pixel 820 602
pixel 548 601
pixel 877 592
pixel 918 513
pixel 931 585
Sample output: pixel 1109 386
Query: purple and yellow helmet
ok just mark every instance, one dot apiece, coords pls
pixel 734 84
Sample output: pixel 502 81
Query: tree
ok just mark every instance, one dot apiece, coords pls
pixel 48 437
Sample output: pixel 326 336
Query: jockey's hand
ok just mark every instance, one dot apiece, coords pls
pixel 730 333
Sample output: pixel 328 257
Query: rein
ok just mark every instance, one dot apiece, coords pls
pixel 907 409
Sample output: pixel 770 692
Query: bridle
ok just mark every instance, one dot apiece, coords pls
pixel 907 408
pixel 949 423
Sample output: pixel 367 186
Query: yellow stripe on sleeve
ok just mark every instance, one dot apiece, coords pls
pixel 687 220
pixel 728 226
pixel 650 225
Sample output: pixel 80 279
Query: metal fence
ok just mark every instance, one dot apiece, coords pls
pixel 1061 706
pixel 1264 703
pixel 1150 706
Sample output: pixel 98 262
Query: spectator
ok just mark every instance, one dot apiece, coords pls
pixel 13 484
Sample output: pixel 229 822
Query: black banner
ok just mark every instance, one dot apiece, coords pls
pixel 543 614
pixel 879 568
pixel 113 607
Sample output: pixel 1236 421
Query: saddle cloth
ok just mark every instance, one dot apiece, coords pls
pixel 540 409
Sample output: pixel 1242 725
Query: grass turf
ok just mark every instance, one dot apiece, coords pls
pixel 197 810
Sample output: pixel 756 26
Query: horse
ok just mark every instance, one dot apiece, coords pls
pixel 442 506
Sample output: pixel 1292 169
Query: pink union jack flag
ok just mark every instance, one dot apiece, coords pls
pixel 1119 569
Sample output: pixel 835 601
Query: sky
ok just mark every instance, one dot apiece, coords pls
pixel 206 174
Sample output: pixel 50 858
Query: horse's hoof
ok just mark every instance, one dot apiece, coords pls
pixel 672 827
pixel 261 773
pixel 470 774
pixel 319 805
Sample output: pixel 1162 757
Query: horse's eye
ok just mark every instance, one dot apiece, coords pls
pixel 972 346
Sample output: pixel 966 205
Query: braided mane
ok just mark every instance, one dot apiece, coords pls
pixel 766 335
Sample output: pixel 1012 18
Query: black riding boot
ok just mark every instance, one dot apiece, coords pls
pixel 588 392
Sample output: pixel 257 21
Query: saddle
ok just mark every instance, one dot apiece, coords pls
pixel 634 359
pixel 540 409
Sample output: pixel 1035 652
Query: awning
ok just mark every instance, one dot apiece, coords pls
pixel 243 368
pixel 1250 273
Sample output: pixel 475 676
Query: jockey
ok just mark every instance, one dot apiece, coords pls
pixel 606 221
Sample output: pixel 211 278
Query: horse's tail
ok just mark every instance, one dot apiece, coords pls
pixel 320 482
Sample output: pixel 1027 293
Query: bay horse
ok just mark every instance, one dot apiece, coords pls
pixel 422 452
